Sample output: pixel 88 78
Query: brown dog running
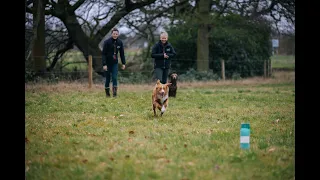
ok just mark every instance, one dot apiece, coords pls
pixel 160 97
pixel 173 87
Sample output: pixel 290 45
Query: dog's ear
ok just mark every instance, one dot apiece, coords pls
pixel 168 84
pixel 158 81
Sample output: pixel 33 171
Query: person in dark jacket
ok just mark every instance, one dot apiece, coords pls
pixel 110 50
pixel 162 53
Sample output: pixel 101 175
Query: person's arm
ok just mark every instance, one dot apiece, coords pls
pixel 104 54
pixel 123 58
pixel 155 53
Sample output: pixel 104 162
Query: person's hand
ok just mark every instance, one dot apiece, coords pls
pixel 123 66
pixel 165 56
pixel 105 68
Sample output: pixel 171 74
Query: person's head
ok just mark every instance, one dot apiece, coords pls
pixel 115 33
pixel 163 37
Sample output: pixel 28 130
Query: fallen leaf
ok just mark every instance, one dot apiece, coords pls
pixel 131 132
pixel 111 158
pixel 190 163
pixel 26 139
pixel 185 145
pixel 85 161
pixel 163 160
pixel 164 147
pixel 91 134
pixel 103 164
pixel 271 149
pixel 127 156
pixel 44 153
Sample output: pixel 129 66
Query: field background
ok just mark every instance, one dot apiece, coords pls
pixel 73 132
pixel 74 59
pixel 283 62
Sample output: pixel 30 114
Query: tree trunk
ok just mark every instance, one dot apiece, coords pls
pixel 82 41
pixel 38 49
pixel 86 44
pixel 203 36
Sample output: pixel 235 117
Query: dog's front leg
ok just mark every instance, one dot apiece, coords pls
pixel 156 105
pixel 154 109
pixel 164 106
pixel 163 109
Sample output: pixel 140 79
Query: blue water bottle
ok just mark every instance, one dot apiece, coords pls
pixel 245 136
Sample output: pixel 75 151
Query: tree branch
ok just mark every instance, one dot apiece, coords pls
pixel 60 53
pixel 29 10
pixel 118 16
pixel 129 6
pixel 29 2
pixel 77 5
pixel 267 10
pixel 160 14
pixel 224 7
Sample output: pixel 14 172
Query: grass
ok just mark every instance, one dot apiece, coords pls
pixel 284 62
pixel 73 132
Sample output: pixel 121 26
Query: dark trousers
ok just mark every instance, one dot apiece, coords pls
pixel 161 74
pixel 111 72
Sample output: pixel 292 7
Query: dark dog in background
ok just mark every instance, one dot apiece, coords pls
pixel 173 87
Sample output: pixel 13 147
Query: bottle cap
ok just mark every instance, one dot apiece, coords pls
pixel 245 125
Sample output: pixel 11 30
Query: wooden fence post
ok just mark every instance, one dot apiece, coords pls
pixel 269 68
pixel 90 70
pixel 265 68
pixel 223 70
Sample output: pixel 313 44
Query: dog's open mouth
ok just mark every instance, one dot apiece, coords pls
pixel 161 94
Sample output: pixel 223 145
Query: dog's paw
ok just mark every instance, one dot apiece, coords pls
pixel 163 109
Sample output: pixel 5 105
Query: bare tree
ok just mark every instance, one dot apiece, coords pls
pixel 88 44
pixel 85 23
pixel 37 43
pixel 86 30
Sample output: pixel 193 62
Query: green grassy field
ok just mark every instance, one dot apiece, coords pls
pixel 73 132
pixel 283 62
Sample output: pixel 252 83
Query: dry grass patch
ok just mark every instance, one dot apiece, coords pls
pixel 278 77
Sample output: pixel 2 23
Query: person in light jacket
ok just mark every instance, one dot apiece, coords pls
pixel 162 53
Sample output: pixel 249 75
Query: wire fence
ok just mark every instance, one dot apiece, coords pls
pixel 73 67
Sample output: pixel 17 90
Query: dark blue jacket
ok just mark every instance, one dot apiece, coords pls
pixel 108 51
pixel 157 53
